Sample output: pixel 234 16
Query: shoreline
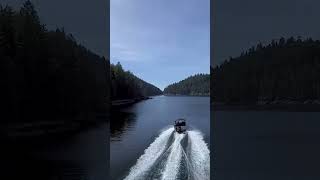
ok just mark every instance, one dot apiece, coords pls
pixel 186 95
pixel 46 131
pixel 127 102
pixel 299 107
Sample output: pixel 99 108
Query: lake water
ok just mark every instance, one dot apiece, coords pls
pixel 80 155
pixel 144 131
pixel 251 145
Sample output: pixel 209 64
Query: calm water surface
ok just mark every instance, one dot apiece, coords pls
pixel 81 155
pixel 134 128
pixel 251 145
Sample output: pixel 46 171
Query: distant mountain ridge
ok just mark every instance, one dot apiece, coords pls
pixel 196 85
pixel 125 85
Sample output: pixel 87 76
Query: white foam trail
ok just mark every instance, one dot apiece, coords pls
pixel 151 154
pixel 173 163
pixel 199 156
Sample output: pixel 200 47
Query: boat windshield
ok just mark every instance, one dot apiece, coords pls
pixel 181 123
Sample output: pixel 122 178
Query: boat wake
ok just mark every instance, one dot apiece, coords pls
pixel 173 156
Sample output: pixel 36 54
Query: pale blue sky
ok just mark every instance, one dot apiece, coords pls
pixel 161 41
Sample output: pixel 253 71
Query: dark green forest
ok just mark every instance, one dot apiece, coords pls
pixel 196 85
pixel 126 85
pixel 45 74
pixel 285 70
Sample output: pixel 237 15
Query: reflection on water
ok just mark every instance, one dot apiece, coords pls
pixel 121 123
pixel 78 156
pixel 264 145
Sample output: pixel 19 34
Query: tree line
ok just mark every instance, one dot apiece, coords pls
pixel 284 69
pixel 125 85
pixel 196 85
pixel 45 74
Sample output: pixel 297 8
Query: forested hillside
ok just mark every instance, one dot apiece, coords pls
pixel 197 85
pixel 46 75
pixel 285 70
pixel 126 85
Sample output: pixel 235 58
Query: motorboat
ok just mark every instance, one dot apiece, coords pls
pixel 180 125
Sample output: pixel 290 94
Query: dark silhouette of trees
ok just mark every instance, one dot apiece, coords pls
pixel 197 85
pixel 287 70
pixel 126 85
pixel 47 75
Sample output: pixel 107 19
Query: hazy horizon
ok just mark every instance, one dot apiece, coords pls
pixel 161 42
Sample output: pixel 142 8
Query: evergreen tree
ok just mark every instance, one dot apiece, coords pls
pixel 286 70
pixel 196 85
pixel 126 85
pixel 47 75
